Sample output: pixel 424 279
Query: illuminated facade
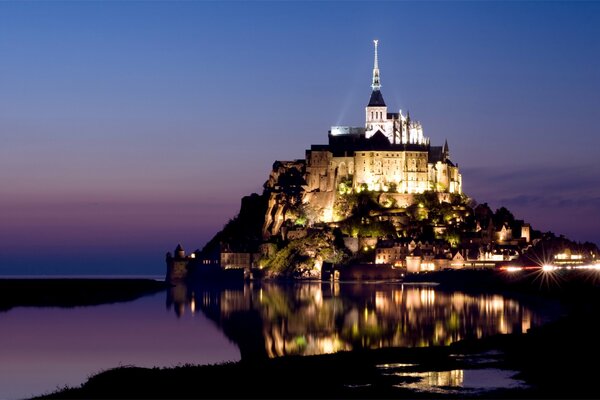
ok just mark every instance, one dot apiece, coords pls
pixel 389 154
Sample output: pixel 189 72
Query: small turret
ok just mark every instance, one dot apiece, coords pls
pixel 445 150
pixel 179 251
pixel 177 265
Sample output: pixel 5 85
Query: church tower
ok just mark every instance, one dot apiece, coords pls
pixel 376 110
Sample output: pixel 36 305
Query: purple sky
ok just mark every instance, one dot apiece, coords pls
pixel 126 127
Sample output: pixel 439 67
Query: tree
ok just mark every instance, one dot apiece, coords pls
pixel 503 216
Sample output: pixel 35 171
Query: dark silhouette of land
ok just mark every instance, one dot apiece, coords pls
pixel 554 359
pixel 72 292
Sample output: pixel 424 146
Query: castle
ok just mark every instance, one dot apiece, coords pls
pixel 379 195
pixel 389 154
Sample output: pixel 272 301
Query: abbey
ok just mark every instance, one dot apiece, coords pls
pixel 373 203
pixel 389 154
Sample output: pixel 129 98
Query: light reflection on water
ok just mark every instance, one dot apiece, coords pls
pixel 272 320
pixel 457 380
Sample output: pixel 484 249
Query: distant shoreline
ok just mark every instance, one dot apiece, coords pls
pixel 69 276
pixel 73 292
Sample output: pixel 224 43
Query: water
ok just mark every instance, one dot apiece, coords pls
pixel 460 381
pixel 320 318
pixel 483 375
pixel 45 348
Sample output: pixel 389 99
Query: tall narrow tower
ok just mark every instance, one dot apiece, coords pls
pixel 376 85
pixel 376 110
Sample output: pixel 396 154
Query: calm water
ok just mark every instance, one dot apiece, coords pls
pixel 45 348
pixel 42 348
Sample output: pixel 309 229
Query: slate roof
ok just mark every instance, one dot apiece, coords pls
pixel 435 154
pixel 376 99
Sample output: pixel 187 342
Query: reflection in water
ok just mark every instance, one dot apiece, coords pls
pixel 458 380
pixel 271 320
pixel 430 380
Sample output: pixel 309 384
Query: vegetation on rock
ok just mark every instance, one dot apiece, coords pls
pixel 283 221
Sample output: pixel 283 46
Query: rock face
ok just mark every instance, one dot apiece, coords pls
pixel 292 194
pixel 285 190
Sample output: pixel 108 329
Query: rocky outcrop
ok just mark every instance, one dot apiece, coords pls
pixel 285 191
pixel 286 176
pixel 277 211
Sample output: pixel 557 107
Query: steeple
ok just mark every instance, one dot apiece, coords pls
pixel 376 99
pixel 376 85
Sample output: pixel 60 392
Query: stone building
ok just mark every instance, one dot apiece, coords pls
pixel 177 264
pixel 389 154
pixel 231 258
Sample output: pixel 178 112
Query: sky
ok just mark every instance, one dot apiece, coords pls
pixel 127 127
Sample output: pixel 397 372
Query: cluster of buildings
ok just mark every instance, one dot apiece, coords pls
pixel 391 156
pixel 485 248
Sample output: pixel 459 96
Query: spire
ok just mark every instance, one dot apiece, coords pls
pixel 376 99
pixel 445 149
pixel 376 85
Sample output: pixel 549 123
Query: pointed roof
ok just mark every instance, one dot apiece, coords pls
pixel 376 99
pixel 178 248
pixel 378 140
pixel 376 84
pixel 457 255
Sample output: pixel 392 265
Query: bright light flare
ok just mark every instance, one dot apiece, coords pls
pixel 548 268
pixel 514 269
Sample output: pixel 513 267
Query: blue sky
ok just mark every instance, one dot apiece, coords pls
pixel 127 127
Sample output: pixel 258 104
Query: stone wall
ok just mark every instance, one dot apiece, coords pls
pixel 177 269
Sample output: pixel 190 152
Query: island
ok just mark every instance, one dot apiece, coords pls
pixel 376 202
